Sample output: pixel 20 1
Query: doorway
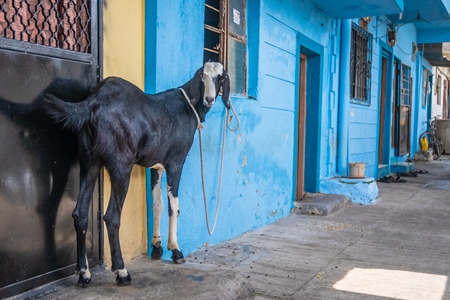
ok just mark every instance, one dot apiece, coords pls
pixel 381 142
pixel 42 50
pixel 301 129
pixel 384 130
pixel 308 123
pixel 404 110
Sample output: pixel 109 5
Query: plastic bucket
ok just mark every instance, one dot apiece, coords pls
pixel 357 169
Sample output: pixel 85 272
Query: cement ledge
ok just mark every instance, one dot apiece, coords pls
pixel 320 204
pixel 358 190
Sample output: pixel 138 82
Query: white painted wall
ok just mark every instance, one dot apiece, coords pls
pixel 444 73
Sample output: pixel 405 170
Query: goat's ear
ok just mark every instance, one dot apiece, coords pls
pixel 195 90
pixel 225 82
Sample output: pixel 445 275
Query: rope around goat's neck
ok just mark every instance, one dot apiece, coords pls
pixel 200 126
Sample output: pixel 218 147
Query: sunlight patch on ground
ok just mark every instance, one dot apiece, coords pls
pixel 393 284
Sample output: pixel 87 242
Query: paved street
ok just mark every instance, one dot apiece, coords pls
pixel 397 248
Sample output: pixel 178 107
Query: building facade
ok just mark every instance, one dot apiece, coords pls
pixel 316 85
pixel 319 87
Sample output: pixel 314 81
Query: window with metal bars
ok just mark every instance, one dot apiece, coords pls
pixel 425 87
pixel 225 39
pixel 63 24
pixel 360 65
pixel 405 97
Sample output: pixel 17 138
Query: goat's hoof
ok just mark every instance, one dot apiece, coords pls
pixel 157 252
pixel 123 281
pixel 84 279
pixel 177 257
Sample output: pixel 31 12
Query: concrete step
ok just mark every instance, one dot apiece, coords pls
pixel 402 167
pixel 383 170
pixel 320 204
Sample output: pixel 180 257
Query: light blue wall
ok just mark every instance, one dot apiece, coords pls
pixel 425 111
pixel 259 174
pixel 364 119
pixel 259 171
pixel 403 50
pixel 288 28
pixel 331 98
pixel 173 31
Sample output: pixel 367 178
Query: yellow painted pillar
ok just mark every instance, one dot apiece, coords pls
pixel 123 56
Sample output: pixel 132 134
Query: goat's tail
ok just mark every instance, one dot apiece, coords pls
pixel 72 115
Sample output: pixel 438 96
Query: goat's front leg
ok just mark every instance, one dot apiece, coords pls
pixel 173 181
pixel 156 175
pixel 120 180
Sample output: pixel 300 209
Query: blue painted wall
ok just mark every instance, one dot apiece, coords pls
pixel 259 173
pixel 403 51
pixel 173 42
pixel 364 119
pixel 259 169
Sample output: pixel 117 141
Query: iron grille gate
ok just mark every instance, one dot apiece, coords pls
pixel 46 46
pixel 60 24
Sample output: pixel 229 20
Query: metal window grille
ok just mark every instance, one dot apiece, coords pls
pixel 360 65
pixel 406 85
pixel 424 86
pixel 214 32
pixel 225 39
pixel 63 24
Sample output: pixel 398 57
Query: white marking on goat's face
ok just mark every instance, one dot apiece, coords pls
pixel 209 77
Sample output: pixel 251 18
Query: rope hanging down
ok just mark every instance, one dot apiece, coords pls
pixel 200 126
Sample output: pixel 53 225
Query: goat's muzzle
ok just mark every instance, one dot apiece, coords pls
pixel 209 101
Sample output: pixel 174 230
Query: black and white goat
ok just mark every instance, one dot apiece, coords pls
pixel 119 126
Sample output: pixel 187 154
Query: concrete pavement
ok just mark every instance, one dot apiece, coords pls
pixel 396 248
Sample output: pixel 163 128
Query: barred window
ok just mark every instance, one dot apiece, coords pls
pixel 63 24
pixel 360 65
pixel 425 87
pixel 405 97
pixel 226 40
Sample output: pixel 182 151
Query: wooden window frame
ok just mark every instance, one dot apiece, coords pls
pixel 220 51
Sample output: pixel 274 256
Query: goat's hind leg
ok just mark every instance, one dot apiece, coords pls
pixel 157 249
pixel 80 215
pixel 120 179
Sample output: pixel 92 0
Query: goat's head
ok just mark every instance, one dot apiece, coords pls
pixel 206 84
